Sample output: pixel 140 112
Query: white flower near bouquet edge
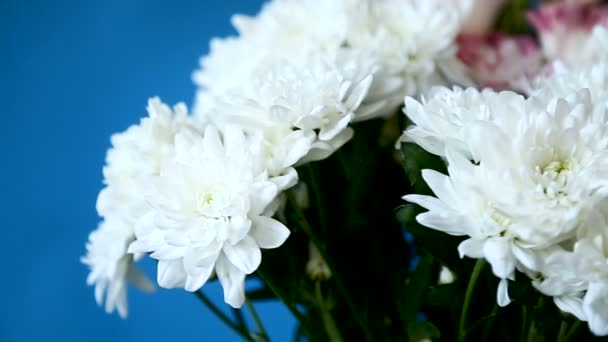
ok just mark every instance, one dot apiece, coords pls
pixel 303 112
pixel 111 268
pixel 531 187
pixel 394 34
pixel 209 213
pixel 136 154
pixel 441 118
pixel 577 277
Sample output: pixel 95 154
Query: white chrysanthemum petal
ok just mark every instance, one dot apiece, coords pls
pixel 498 253
pixel 595 305
pixel 171 273
pixel 471 248
pixel 245 254
pixel 232 280
pixel 502 294
pixel 571 304
pixel 268 232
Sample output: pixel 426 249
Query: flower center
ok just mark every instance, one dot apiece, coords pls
pixel 206 203
pixel 553 178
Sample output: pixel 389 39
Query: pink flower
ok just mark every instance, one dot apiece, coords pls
pixel 565 29
pixel 499 61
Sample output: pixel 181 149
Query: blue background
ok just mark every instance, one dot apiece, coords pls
pixel 71 74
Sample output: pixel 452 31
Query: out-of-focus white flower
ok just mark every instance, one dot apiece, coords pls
pixel 499 61
pixel 566 31
pixel 317 267
pixel 410 41
pixel 413 41
pixel 209 212
pixel 532 185
pixel 567 79
pixel 446 276
pixel 111 267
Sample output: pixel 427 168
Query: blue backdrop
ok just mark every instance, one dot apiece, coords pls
pixel 71 74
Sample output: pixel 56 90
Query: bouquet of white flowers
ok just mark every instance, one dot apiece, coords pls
pixel 498 183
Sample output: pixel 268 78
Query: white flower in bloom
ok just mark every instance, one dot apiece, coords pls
pixel 136 155
pixel 413 40
pixel 533 184
pixel 281 31
pixel 445 115
pixel 290 104
pixel 578 279
pixel 209 212
pixel 410 41
pixel 111 267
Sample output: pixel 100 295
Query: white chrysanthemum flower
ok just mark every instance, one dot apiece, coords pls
pixel 445 115
pixel 111 267
pixel 578 278
pixel 303 112
pixel 282 30
pixel 411 41
pixel 136 155
pixel 533 184
pixel 209 212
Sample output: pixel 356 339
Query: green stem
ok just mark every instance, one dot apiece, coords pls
pixel 303 223
pixel 462 328
pixel 524 324
pixel 572 330
pixel 330 325
pixel 488 328
pixel 209 304
pixel 240 320
pixel 292 308
pixel 257 320
pixel 316 190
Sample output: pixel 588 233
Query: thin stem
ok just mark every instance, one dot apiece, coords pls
pixel 257 320
pixel 462 331
pixel 561 336
pixel 524 324
pixel 488 327
pixel 240 320
pixel 316 190
pixel 303 223
pixel 209 304
pixel 330 325
pixel 572 331
pixel 292 308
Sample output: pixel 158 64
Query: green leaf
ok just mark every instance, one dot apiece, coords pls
pixel 406 214
pixel 442 246
pixel 416 287
pixel 423 331
pixel 416 159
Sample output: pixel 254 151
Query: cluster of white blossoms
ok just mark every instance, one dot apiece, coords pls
pixel 198 192
pixel 527 183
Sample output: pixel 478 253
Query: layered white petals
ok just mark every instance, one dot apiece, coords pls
pixel 526 182
pixel 111 268
pixel 205 212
